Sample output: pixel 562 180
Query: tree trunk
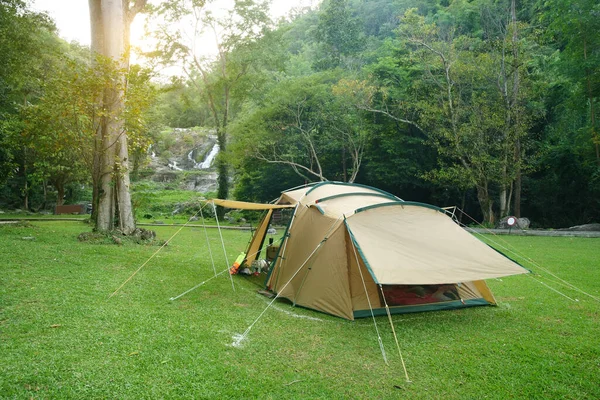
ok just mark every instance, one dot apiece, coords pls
pixel 344 167
pixel 112 24
pixel 126 220
pixel 45 191
pixel 222 167
pixel 26 185
pixel 516 110
pixel 106 210
pixel 108 22
pixel 60 193
pixel 486 203
pixel 97 47
pixel 595 138
pixel 503 201
pixel 222 171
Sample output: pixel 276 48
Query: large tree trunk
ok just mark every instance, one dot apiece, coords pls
pixel 503 201
pixel 108 22
pixel 105 219
pixel 516 109
pixel 126 220
pixel 97 47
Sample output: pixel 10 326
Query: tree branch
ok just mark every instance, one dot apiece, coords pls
pixel 133 10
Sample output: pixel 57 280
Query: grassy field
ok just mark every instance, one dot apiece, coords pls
pixel 61 337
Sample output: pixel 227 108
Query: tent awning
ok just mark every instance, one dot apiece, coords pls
pixel 406 244
pixel 244 205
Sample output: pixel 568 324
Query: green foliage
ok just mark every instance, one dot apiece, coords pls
pixel 339 33
pixel 52 109
pixel 448 102
pixel 573 25
pixel 26 45
pixel 304 125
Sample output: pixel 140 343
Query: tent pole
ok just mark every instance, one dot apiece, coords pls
pixel 286 237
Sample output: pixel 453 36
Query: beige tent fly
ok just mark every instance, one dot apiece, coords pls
pixel 351 250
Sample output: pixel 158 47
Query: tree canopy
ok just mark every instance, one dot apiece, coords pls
pixel 487 104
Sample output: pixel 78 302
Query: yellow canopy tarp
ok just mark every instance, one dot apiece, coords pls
pixel 243 205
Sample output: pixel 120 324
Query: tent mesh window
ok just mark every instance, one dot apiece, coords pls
pixel 406 295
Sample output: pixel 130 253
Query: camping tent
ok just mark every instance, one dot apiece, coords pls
pixel 353 251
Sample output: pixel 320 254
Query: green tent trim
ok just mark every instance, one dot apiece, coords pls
pixel 446 305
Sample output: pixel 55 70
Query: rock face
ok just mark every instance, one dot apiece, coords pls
pixel 188 162
pixel 522 223
pixel 202 183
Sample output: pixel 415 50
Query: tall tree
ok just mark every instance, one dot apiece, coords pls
pixel 27 44
pixel 575 25
pixel 110 20
pixel 460 110
pixel 221 78
pixel 303 125
pixel 340 34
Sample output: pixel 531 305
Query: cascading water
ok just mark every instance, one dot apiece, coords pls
pixel 191 159
pixel 207 161
pixel 210 158
pixel 173 166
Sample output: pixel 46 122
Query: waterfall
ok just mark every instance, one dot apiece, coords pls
pixel 151 151
pixel 173 166
pixel 191 158
pixel 209 158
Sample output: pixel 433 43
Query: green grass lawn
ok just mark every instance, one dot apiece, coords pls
pixel 61 337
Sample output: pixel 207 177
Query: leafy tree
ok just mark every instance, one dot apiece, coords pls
pixel 340 34
pixel 222 79
pixel 307 127
pixel 574 25
pixel 459 93
pixel 26 45
pixel 58 129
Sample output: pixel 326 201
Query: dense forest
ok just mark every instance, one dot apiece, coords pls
pixel 490 105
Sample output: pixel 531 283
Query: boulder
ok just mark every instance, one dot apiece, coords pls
pixel 585 228
pixel 522 223
pixel 144 234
